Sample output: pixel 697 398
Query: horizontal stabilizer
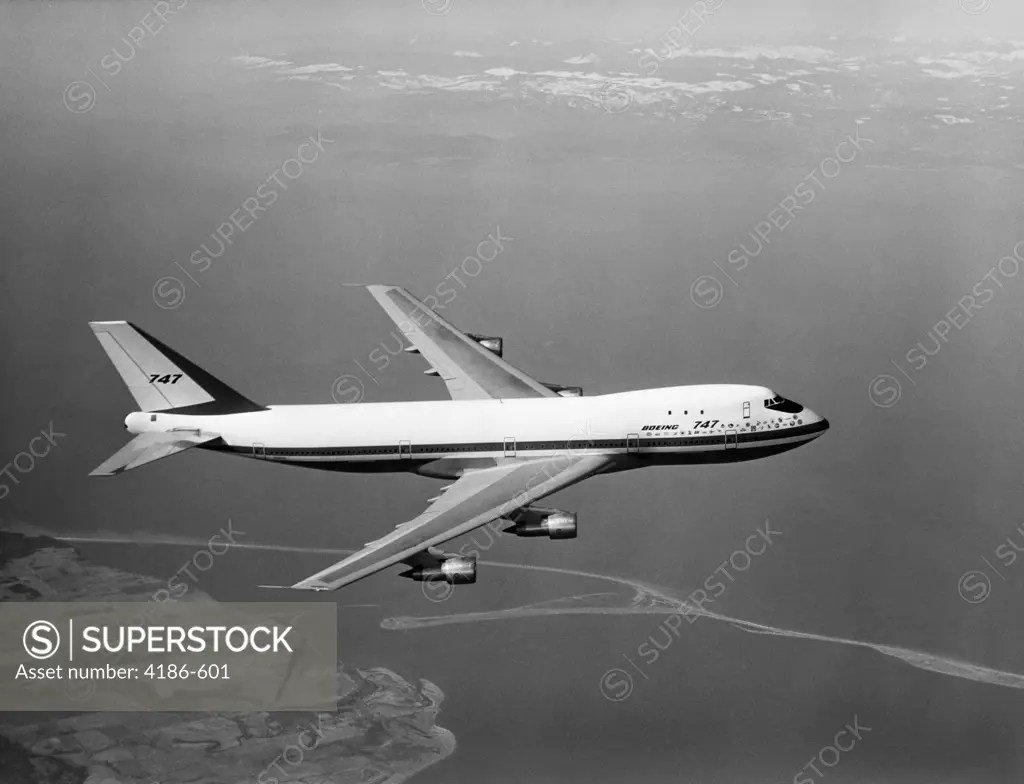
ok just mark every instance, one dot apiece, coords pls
pixel 147 447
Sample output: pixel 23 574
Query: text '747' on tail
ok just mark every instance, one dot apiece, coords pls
pixel 162 381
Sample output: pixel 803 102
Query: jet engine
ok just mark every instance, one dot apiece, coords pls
pixel 494 345
pixel 445 567
pixel 564 391
pixel 540 521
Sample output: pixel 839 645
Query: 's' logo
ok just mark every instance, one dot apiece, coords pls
pixel 41 639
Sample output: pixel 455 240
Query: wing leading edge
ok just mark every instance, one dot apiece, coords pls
pixel 469 370
pixel 475 499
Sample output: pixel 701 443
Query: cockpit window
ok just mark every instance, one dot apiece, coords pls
pixel 779 403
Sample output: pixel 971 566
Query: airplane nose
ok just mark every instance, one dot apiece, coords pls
pixel 819 422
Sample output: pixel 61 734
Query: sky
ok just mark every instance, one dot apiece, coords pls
pixel 612 217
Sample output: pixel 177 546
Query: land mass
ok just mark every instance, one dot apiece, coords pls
pixel 382 729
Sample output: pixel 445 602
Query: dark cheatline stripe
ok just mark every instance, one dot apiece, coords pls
pixel 758 437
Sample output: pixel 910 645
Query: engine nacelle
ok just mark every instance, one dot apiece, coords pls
pixel 494 345
pixel 564 391
pixel 456 569
pixel 538 521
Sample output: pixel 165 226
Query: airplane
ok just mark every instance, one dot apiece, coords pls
pixel 506 439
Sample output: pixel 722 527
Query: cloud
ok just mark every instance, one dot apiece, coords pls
pixel 763 68
pixel 315 69
pixel 808 54
pixel 252 61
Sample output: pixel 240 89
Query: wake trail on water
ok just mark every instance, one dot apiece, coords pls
pixel 646 599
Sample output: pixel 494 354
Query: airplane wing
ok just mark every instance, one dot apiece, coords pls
pixel 470 371
pixel 475 499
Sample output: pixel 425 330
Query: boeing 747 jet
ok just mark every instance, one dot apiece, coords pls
pixel 506 439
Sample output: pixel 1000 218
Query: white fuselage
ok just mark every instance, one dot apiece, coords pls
pixel 689 424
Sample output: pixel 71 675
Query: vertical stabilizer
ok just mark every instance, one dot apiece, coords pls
pixel 161 379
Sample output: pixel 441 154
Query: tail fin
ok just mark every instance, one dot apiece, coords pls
pixel 147 447
pixel 161 379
